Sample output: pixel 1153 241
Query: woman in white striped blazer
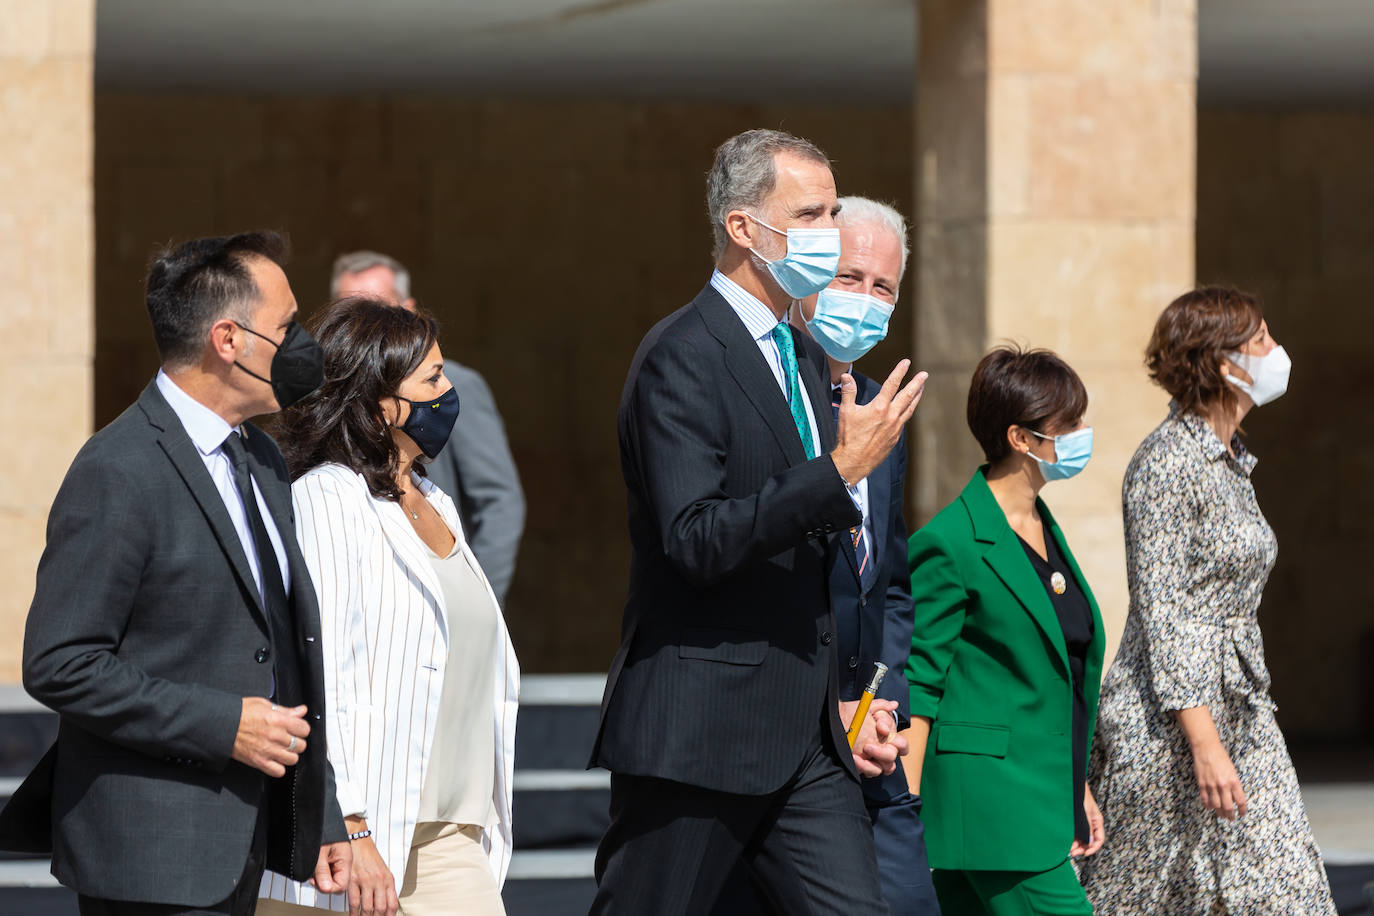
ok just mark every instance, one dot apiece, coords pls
pixel 420 676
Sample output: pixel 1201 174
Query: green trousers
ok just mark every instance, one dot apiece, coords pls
pixel 1012 893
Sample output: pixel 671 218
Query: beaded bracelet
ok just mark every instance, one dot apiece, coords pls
pixel 360 835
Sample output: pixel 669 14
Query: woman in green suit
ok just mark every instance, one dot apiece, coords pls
pixel 1005 657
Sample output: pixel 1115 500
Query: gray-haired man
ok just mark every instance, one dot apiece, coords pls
pixel 475 467
pixel 720 724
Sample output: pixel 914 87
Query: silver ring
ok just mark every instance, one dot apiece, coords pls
pixel 292 744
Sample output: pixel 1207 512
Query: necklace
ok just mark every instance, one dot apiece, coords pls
pixel 1058 582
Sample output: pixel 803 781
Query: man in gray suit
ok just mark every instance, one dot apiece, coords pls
pixel 475 468
pixel 174 627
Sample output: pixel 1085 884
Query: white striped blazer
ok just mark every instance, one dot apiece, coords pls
pixel 385 635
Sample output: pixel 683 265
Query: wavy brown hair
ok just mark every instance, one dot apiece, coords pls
pixel 369 347
pixel 1191 338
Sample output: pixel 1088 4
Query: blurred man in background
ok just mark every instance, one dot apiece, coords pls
pixel 475 468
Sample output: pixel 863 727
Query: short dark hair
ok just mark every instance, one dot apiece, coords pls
pixel 1193 335
pixel 1016 387
pixel 370 346
pixel 197 283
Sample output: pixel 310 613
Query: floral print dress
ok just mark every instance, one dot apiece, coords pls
pixel 1198 553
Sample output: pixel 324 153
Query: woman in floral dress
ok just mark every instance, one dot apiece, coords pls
pixel 1202 809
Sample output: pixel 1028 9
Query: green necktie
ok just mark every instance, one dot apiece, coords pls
pixel 782 336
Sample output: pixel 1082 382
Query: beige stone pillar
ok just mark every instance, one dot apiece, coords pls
pixel 1055 192
pixel 46 271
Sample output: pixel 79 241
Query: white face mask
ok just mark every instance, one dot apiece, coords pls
pixel 1269 373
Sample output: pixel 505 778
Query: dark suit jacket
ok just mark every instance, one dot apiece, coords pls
pixel 146 631
pixel 874 624
pixel 725 674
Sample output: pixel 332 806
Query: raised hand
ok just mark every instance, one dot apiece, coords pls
pixel 866 433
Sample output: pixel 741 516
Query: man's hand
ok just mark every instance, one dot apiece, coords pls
pixel 371 886
pixel 866 434
pixel 270 739
pixel 878 746
pixel 333 869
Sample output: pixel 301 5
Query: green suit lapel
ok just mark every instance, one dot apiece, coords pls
pixel 1007 558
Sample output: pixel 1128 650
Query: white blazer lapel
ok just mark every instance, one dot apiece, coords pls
pixel 411 552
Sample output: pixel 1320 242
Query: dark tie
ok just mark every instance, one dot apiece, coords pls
pixel 288 690
pixel 858 535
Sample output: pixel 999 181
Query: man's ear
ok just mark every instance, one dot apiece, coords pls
pixel 224 341
pixel 740 228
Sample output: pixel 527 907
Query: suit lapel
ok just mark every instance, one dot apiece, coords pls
pixel 1007 559
pixel 189 464
pixel 750 371
pixel 410 550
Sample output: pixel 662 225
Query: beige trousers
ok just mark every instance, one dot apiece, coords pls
pixel 446 875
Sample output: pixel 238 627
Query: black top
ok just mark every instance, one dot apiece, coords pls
pixel 1076 620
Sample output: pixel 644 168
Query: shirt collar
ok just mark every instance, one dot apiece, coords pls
pixel 1208 441
pixel 206 428
pixel 758 318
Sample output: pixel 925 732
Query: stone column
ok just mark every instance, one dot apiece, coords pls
pixel 1055 191
pixel 46 267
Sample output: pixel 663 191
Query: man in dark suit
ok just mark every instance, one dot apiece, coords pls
pixel 720 721
pixel 872 587
pixel 174 628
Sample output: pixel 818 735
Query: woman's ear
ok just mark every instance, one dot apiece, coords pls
pixel 391 411
pixel 1018 439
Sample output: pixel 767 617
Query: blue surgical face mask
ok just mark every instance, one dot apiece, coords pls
pixel 847 324
pixel 813 256
pixel 1071 454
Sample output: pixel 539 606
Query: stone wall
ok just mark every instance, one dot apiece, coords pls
pixel 46 240
pixel 1286 209
pixel 547 237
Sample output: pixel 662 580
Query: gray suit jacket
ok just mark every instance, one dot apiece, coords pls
pixel 477 471
pixel 145 632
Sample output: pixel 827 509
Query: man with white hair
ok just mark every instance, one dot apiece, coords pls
pixel 871 589
pixel 475 467
pixel 720 723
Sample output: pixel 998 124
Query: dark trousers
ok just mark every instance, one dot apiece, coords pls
pixel 898 840
pixel 671 847
pixel 242 901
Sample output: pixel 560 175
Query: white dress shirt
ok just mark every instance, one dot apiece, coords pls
pixel 760 321
pixel 208 431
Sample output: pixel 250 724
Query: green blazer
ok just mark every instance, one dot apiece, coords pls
pixel 989 667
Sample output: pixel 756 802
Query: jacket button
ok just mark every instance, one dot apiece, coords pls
pixel 853 661
pixel 863 601
pixel 825 638
pixel 262 655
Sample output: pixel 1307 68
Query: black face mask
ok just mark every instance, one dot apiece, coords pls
pixel 431 422
pixel 297 368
